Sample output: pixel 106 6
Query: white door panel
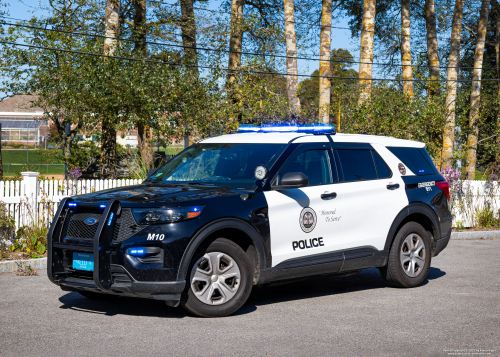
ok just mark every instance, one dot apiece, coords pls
pixel 288 238
pixel 370 210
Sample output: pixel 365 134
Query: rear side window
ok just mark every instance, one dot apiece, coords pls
pixel 357 165
pixel 382 170
pixel 416 159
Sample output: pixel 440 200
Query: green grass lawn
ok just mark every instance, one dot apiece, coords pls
pixel 19 157
pixel 36 162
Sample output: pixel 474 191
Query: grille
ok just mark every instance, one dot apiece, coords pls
pixel 76 228
pixel 125 225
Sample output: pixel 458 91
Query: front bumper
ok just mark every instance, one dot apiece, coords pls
pixel 107 276
pixel 169 291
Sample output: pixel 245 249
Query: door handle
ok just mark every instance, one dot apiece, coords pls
pixel 392 186
pixel 328 195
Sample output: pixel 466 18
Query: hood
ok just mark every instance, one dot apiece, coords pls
pixel 156 194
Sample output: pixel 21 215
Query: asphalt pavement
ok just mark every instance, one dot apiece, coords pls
pixel 455 312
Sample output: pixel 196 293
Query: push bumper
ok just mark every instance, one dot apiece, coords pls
pixel 106 278
pixel 442 243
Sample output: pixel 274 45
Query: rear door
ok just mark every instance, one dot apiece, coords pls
pixel 373 195
pixel 307 221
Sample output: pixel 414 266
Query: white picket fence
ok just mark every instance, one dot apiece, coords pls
pixel 474 197
pixel 38 199
pixel 32 198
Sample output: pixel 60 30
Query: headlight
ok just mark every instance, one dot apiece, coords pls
pixel 165 215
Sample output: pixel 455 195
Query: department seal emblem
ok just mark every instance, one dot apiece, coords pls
pixel 307 219
pixel 402 169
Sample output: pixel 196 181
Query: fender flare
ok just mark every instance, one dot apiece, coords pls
pixel 407 211
pixel 214 226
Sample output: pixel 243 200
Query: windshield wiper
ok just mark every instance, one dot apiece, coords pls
pixel 200 184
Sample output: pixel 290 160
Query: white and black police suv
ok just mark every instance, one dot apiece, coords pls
pixel 262 205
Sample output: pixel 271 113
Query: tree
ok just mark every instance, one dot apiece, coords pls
pixel 432 48
pixel 188 29
pixel 405 48
pixel 291 60
pixel 451 86
pixel 341 61
pixel 235 44
pixel 324 65
pixel 140 34
pixel 53 76
pixel 475 96
pixel 366 51
pixel 108 141
pixel 496 15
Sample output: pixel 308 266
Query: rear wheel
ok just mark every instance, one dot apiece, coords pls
pixel 220 280
pixel 409 257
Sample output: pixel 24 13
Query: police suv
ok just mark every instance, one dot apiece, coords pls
pixel 262 205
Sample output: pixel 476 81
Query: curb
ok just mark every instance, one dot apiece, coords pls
pixel 476 235
pixel 11 265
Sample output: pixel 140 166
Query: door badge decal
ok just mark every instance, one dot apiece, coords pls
pixel 307 219
pixel 402 169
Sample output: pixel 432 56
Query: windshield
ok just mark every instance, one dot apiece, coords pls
pixel 230 165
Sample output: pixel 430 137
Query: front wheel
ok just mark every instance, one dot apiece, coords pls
pixel 409 257
pixel 220 280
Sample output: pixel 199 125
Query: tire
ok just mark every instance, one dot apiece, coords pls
pixel 220 280
pixel 96 296
pixel 409 258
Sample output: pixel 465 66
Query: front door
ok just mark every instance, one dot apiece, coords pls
pixel 306 221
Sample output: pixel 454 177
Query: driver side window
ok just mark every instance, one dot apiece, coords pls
pixel 315 164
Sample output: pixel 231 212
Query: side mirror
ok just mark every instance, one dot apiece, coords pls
pixel 151 172
pixel 293 180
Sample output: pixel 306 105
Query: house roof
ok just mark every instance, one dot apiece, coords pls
pixel 19 103
pixel 20 123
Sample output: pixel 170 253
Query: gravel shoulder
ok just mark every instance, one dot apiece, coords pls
pixel 457 309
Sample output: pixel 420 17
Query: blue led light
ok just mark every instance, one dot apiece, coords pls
pixel 283 128
pixel 137 252
pixel 71 204
pixel 110 218
pixel 248 128
pixel 102 206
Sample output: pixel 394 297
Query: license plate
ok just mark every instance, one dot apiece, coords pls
pixel 83 261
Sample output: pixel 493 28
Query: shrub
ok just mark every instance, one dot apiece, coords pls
pixel 7 227
pixel 486 217
pixel 33 238
pixel 26 270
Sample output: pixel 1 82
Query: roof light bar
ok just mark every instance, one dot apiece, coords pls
pixel 284 128
pixel 71 204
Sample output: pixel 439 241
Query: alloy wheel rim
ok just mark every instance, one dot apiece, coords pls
pixel 412 255
pixel 215 278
